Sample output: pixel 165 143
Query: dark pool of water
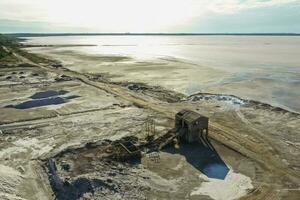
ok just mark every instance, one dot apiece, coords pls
pixel 39 103
pixel 205 159
pixel 49 93
pixel 39 99
pixel 215 170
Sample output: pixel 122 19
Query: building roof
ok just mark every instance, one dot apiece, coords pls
pixel 190 116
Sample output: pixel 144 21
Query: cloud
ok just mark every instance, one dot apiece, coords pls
pixel 234 6
pixel 103 14
pixel 274 19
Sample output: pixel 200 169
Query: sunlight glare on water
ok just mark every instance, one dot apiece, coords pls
pixel 263 68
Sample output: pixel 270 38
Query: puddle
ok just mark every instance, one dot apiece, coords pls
pixel 205 159
pixel 39 99
pixel 215 170
pixel 229 99
pixel 47 94
pixel 38 103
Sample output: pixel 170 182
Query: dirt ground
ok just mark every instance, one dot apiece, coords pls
pixel 53 112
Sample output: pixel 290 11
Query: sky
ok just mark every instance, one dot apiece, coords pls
pixel 140 16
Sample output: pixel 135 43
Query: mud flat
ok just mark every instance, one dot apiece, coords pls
pixel 56 124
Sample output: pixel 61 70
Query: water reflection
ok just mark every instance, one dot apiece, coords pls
pixel 39 99
pixel 254 67
pixel 203 158
pixel 216 170
pixel 49 93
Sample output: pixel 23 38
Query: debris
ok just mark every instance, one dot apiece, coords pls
pixel 126 151
pixel 96 77
pixel 136 87
pixel 21 169
pixel 154 156
pixel 63 78
pixel 56 65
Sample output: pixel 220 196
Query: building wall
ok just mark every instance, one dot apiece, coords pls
pixel 194 130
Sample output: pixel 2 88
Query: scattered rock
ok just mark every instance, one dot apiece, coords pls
pixel 230 99
pixel 56 65
pixel 97 77
pixel 63 78
pixel 21 169
pixel 136 87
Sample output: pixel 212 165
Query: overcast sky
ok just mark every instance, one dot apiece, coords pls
pixel 203 16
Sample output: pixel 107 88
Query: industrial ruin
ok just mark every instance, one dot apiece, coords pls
pixel 191 126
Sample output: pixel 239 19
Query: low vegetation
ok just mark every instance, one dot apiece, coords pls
pixel 6 44
pixel 10 44
pixel 7 40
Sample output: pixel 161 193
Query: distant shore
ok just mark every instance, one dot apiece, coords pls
pixel 150 34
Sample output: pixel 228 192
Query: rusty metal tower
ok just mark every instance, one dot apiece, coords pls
pixel 150 128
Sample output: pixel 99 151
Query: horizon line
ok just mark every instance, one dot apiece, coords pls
pixel 137 33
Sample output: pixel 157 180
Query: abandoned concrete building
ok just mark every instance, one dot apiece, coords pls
pixel 191 126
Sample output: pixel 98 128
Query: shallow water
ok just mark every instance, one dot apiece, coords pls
pixel 44 98
pixel 49 93
pixel 216 170
pixel 40 103
pixel 203 158
pixel 262 68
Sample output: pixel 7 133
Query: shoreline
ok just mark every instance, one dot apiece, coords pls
pixel 187 75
